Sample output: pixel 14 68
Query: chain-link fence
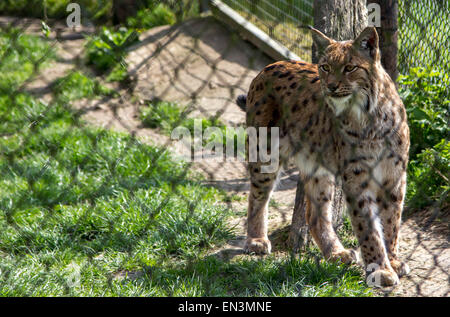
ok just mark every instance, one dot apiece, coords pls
pixel 423 28
pixel 282 20
pixel 94 200
pixel 423 31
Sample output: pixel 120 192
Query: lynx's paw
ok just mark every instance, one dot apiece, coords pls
pixel 346 256
pixel 257 245
pixel 382 278
pixel 401 268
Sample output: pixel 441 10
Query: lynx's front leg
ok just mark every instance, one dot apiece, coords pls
pixel 319 192
pixel 390 204
pixel 367 226
pixel 261 186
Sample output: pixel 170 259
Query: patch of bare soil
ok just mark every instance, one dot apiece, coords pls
pixel 201 64
pixel 425 247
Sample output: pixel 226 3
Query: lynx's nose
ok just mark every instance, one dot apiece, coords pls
pixel 332 87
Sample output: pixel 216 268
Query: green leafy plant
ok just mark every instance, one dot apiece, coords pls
pixel 153 15
pixel 425 94
pixel 429 175
pixel 118 73
pixel 426 97
pixel 94 10
pixel 108 49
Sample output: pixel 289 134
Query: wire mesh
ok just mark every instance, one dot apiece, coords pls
pixel 423 33
pixel 160 67
pixel 281 20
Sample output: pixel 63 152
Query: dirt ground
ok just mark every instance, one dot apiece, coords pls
pixel 200 63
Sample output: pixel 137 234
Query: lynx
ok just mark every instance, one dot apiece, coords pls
pixel 340 119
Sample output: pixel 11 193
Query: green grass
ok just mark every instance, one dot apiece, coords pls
pixel 76 85
pixel 90 212
pixel 345 233
pixel 22 56
pixel 163 115
pixel 272 275
pixel 70 194
pixel 167 116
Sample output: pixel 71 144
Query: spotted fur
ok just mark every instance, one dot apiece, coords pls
pixel 339 119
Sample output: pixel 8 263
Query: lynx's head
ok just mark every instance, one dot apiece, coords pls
pixel 348 69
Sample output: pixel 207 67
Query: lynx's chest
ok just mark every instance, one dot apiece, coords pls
pixel 354 106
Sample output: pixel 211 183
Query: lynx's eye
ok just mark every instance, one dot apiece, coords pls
pixel 350 68
pixel 325 68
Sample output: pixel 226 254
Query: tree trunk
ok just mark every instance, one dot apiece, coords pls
pixel 203 6
pixel 340 20
pixel 298 235
pixel 388 33
pixel 123 9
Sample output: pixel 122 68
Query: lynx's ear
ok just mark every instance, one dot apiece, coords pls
pixel 367 43
pixel 320 39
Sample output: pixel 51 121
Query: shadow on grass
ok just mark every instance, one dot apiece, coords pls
pixel 272 275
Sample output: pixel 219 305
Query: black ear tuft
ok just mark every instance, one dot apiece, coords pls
pixel 320 40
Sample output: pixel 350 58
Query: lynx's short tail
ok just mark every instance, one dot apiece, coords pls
pixel 241 102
